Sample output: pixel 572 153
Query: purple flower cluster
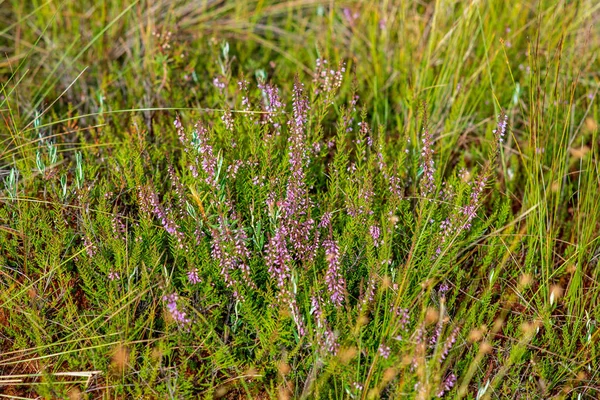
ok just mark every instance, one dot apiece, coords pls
pixel 384 351
pixel 179 191
pixel 149 203
pixel 119 227
pixel 470 210
pixel 449 343
pixel 181 132
pixel 295 222
pixel 395 183
pixel 336 283
pixel 219 83
pixel 243 87
pixel 232 169
pixel 295 238
pixel 369 294
pixel 447 385
pixel 324 334
pixel 208 159
pixel 278 258
pixel 350 16
pixel 178 315
pixel 293 305
pixel 375 234
pixel 272 104
pixel 229 238
pixel 325 220
pixel 230 250
pixel 403 314
pixel 327 80
pixel 500 130
pixel 443 289
pixel 295 226
pixel 427 164
pixel 90 248
pixel 300 112
pixel 227 119
pixel 433 339
pixel 193 277
pixel 461 221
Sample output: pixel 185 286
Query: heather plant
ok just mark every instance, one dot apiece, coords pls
pixel 299 200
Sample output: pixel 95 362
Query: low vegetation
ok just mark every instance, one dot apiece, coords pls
pixel 299 199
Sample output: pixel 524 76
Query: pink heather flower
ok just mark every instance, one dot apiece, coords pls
pixel 194 169
pixel 369 294
pixel 160 213
pixel 331 344
pixel 384 351
pixel 436 334
pixel 177 123
pixel 500 130
pixel 193 277
pixel 316 311
pixel 227 119
pixel 461 221
pixel 295 239
pixel 198 236
pixel 272 104
pixel 257 181
pixel 420 335
pixel 326 80
pixel 233 169
pixel 403 314
pixel 447 385
pixel 366 194
pixel 427 164
pixel 291 300
pixel 443 290
pixel 449 343
pixel 294 208
pixel 396 186
pixel 470 210
pixel 333 277
pixel 90 247
pixel 270 201
pixel 375 233
pixel 300 108
pixel 243 87
pixel 350 16
pixel 229 249
pixel 180 132
pixel 179 316
pixel 316 148
pixel 179 190
pixel 278 258
pixel 326 337
pixel 205 150
pixel 113 276
pixel 219 83
pixel 325 220
pixel 119 228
